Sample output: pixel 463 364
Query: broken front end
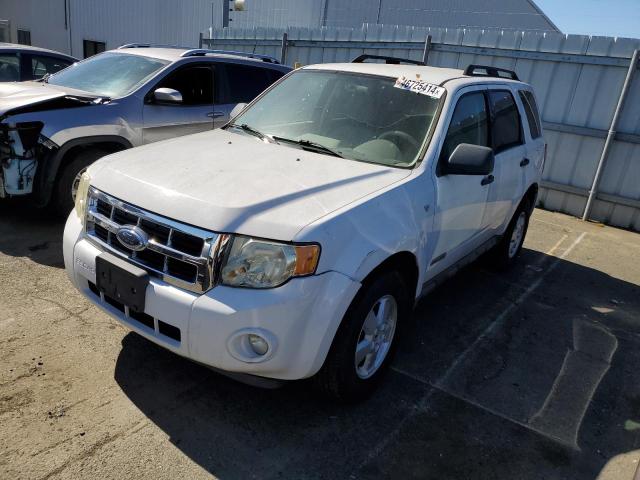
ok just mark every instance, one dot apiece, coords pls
pixel 23 151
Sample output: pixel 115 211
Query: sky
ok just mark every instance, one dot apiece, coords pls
pixel 613 18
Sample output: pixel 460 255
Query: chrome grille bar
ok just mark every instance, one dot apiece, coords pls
pixel 167 259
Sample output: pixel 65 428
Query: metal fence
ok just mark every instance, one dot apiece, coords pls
pixel 579 81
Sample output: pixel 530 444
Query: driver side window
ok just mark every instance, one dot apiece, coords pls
pixel 469 124
pixel 195 84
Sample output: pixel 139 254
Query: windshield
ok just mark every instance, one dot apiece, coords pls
pixel 354 116
pixel 108 74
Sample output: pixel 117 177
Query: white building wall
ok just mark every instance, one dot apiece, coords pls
pixel 43 18
pixel 116 22
pixel 111 21
pixel 279 13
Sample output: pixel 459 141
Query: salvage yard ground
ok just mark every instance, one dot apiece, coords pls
pixel 534 374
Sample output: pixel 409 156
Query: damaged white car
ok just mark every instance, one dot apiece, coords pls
pixel 295 242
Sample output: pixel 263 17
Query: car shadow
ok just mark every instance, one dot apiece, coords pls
pixel 539 393
pixel 30 232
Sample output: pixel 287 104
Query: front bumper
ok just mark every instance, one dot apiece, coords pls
pixel 298 320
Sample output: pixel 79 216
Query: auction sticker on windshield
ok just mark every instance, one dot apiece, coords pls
pixel 420 86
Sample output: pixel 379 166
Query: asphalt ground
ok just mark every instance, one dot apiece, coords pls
pixel 530 374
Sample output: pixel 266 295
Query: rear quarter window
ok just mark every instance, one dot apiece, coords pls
pixel 531 110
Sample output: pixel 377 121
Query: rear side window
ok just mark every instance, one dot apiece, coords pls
pixel 506 125
pixel 9 68
pixel 246 82
pixel 469 124
pixel 531 110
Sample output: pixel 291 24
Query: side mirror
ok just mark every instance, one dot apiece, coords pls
pixel 237 110
pixel 167 95
pixel 468 159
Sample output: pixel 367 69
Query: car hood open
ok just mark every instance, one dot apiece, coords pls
pixel 228 182
pixel 18 96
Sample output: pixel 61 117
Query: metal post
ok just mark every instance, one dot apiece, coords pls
pixel 200 42
pixel 427 48
pixel 611 134
pixel 283 50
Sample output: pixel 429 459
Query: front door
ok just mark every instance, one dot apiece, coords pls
pixel 460 220
pixel 195 113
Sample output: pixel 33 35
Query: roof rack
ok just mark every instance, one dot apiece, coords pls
pixel 148 45
pixel 488 71
pixel 204 51
pixel 388 60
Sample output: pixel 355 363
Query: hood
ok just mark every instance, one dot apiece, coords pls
pixel 229 182
pixel 16 96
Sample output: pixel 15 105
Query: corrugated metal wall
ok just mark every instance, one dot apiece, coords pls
pixel 507 14
pixel 577 80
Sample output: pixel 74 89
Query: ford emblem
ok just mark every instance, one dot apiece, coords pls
pixel 132 237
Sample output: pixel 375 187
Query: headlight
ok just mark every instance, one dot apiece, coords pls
pixel 81 196
pixel 262 264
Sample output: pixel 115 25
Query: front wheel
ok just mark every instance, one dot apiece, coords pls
pixel 67 185
pixel 365 342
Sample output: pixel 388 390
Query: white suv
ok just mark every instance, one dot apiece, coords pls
pixel 295 241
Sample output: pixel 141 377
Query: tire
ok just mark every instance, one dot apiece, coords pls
pixel 341 378
pixel 63 200
pixel 505 254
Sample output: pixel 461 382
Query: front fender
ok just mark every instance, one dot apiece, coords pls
pixel 50 164
pixel 357 239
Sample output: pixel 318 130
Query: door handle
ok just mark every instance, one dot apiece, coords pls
pixel 524 162
pixel 215 114
pixel 487 180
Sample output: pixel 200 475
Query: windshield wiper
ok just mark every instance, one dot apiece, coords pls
pixel 45 78
pixel 309 145
pixel 256 133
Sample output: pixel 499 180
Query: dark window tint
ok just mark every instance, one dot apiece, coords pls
pixel 9 68
pixel 41 65
pixel 506 126
pixel 468 125
pixel 92 48
pixel 531 110
pixel 24 37
pixel 246 83
pixel 194 83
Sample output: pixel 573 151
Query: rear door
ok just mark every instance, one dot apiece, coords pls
pixel 460 220
pixel 196 83
pixel 535 141
pixel 243 83
pixel 510 156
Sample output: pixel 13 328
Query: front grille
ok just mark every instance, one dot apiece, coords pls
pixel 179 254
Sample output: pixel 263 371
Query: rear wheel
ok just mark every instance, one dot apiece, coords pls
pixel 505 254
pixel 68 180
pixel 365 342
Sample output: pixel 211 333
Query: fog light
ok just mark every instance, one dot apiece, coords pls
pixel 258 344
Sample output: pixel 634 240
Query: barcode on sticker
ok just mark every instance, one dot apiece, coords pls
pixel 420 86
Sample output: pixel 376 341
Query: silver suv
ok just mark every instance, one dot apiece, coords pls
pixel 52 130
